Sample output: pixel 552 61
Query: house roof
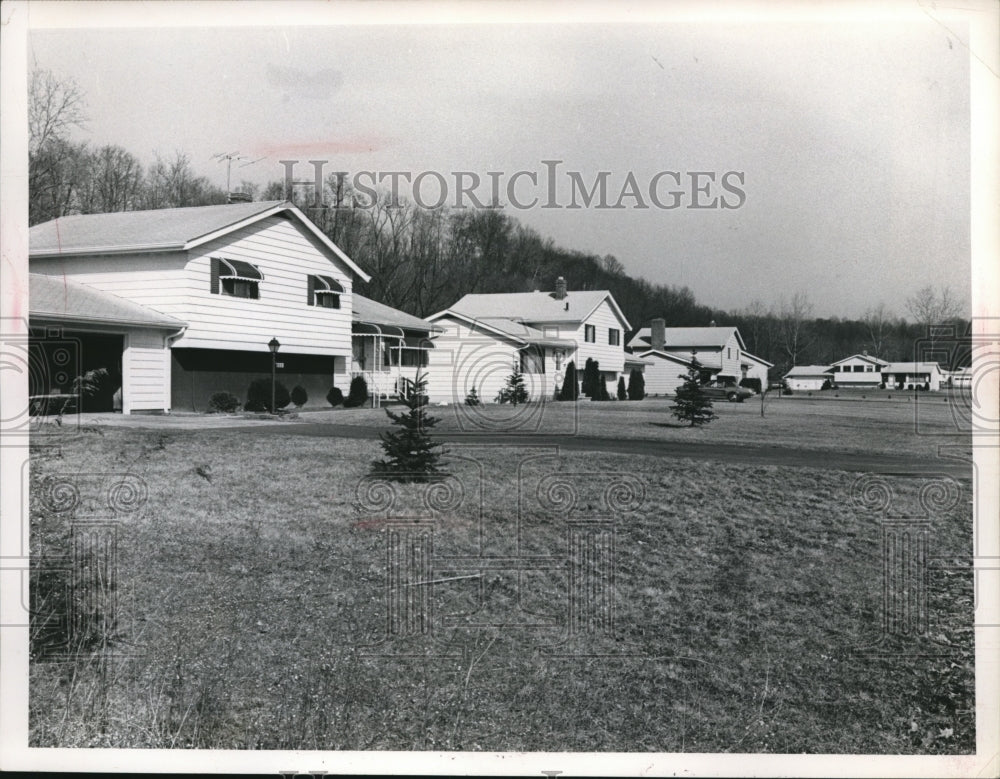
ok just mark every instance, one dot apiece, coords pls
pixel 688 337
pixel 864 357
pixel 667 356
pixel 159 230
pixel 911 367
pixel 809 370
pixel 508 328
pixel 59 299
pixel 755 358
pixel 537 307
pixel 369 312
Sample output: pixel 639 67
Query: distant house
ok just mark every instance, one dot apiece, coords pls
pixel 182 303
pixel 913 375
pixel 959 378
pixel 858 370
pixel 483 336
pixel 719 350
pixel 808 377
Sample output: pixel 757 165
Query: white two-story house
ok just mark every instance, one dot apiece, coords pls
pixel 858 371
pixel 483 335
pixel 231 277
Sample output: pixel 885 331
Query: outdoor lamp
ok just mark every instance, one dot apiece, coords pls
pixel 273 345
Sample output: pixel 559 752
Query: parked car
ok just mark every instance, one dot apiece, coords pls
pixel 726 390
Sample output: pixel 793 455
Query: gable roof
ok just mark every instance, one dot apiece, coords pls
pixel 755 358
pixel 688 338
pixel 508 328
pixel 58 298
pixel 862 357
pixel 161 230
pixel 370 312
pixel 810 370
pixel 666 356
pixel 538 307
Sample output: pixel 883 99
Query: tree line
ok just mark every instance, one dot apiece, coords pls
pixel 422 260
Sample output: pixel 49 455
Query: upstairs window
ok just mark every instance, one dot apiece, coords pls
pixel 614 336
pixel 235 278
pixel 323 291
pixel 589 334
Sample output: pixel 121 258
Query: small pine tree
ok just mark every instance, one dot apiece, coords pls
pixel 514 391
pixel 570 389
pixel 636 385
pixel 622 392
pixel 410 454
pixel 692 404
pixel 472 399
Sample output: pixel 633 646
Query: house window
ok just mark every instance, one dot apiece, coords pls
pixel 589 334
pixel 235 278
pixel 323 291
pixel 614 336
pixel 240 288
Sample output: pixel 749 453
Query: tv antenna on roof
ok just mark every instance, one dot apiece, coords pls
pixel 229 157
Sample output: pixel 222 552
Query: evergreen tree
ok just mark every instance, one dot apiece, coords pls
pixel 622 392
pixel 591 379
pixel 514 391
pixel 636 385
pixel 602 388
pixel 692 404
pixel 570 389
pixel 410 452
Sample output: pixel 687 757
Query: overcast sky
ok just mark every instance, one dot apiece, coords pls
pixel 852 139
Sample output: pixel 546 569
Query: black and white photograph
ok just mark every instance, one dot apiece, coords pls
pixel 492 388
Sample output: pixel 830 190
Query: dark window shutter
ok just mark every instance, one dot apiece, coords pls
pixel 214 286
pixel 311 290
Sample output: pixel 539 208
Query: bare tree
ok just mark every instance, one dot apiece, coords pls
pixel 54 106
pixel 794 319
pixel 930 306
pixel 880 324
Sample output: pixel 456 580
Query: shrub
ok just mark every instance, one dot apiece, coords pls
pixel 335 397
pixel 570 389
pixel 602 389
pixel 223 402
pixel 299 396
pixel 96 389
pixel 591 379
pixel 636 385
pixel 786 390
pixel 259 396
pixel 826 384
pixel 357 395
pixel 472 399
pixel 622 392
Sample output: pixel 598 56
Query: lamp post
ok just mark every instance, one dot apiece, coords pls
pixel 273 345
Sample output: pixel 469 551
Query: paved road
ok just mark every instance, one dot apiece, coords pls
pixel 900 465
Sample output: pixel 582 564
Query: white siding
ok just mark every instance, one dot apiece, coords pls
pixel 286 255
pixel 611 358
pixel 179 284
pixel 663 377
pixel 462 359
pixel 145 372
pixel 805 383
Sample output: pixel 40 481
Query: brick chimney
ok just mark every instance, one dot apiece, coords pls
pixel 560 292
pixel 657 333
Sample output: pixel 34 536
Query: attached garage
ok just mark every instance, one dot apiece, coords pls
pixel 123 347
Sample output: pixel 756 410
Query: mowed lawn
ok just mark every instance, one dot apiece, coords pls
pixel 885 423
pixel 253 607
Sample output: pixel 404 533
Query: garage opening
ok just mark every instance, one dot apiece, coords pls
pixel 82 368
